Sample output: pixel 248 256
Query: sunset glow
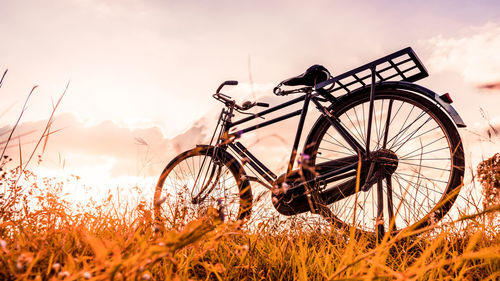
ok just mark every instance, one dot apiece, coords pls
pixel 141 73
pixel 249 140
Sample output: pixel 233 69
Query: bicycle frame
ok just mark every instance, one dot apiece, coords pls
pixel 403 65
pixel 307 98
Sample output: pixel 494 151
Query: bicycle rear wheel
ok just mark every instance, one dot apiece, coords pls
pixel 200 179
pixel 421 185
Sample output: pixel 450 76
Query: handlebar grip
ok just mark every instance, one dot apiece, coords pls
pixel 228 82
pixel 263 104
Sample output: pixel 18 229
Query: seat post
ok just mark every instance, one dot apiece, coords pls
pixel 299 130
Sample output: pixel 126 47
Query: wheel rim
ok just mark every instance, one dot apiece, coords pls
pixel 193 185
pixel 410 195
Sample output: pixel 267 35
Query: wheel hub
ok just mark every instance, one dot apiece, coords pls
pixel 382 163
pixel 386 161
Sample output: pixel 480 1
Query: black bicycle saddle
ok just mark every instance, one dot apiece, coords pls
pixel 313 75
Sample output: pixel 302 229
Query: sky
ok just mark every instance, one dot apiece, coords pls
pixel 141 73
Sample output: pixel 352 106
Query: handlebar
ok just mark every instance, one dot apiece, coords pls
pixel 230 102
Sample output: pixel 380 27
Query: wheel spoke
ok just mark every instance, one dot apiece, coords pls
pixel 337 142
pixel 400 144
pixel 380 209
pixel 401 130
pixel 355 137
pixel 417 191
pixel 422 147
pixel 426 132
pixel 381 132
pixel 356 128
pixel 408 210
pixel 427 152
pixel 429 179
pixel 357 119
pixel 375 124
pixel 390 204
pixel 387 123
pixel 425 166
pixel 426 159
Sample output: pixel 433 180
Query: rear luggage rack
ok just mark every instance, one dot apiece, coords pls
pixel 403 65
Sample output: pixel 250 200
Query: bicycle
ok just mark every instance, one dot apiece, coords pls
pixel 384 155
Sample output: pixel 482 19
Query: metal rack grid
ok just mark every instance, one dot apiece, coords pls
pixel 403 65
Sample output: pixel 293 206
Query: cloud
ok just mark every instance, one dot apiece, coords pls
pixel 107 149
pixel 105 145
pixel 495 86
pixel 474 54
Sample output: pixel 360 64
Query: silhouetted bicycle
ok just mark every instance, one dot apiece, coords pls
pixel 384 155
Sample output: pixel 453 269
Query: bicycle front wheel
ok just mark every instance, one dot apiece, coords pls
pixel 200 179
pixel 425 157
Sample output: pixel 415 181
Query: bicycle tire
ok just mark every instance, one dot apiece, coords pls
pixel 416 149
pixel 177 189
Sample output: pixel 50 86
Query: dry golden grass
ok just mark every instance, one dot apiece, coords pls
pixel 42 239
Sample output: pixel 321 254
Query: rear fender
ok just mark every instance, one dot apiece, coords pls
pixel 426 92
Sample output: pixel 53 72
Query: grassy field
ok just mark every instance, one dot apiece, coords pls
pixel 42 239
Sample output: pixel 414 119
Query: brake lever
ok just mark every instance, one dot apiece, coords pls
pixel 247 105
